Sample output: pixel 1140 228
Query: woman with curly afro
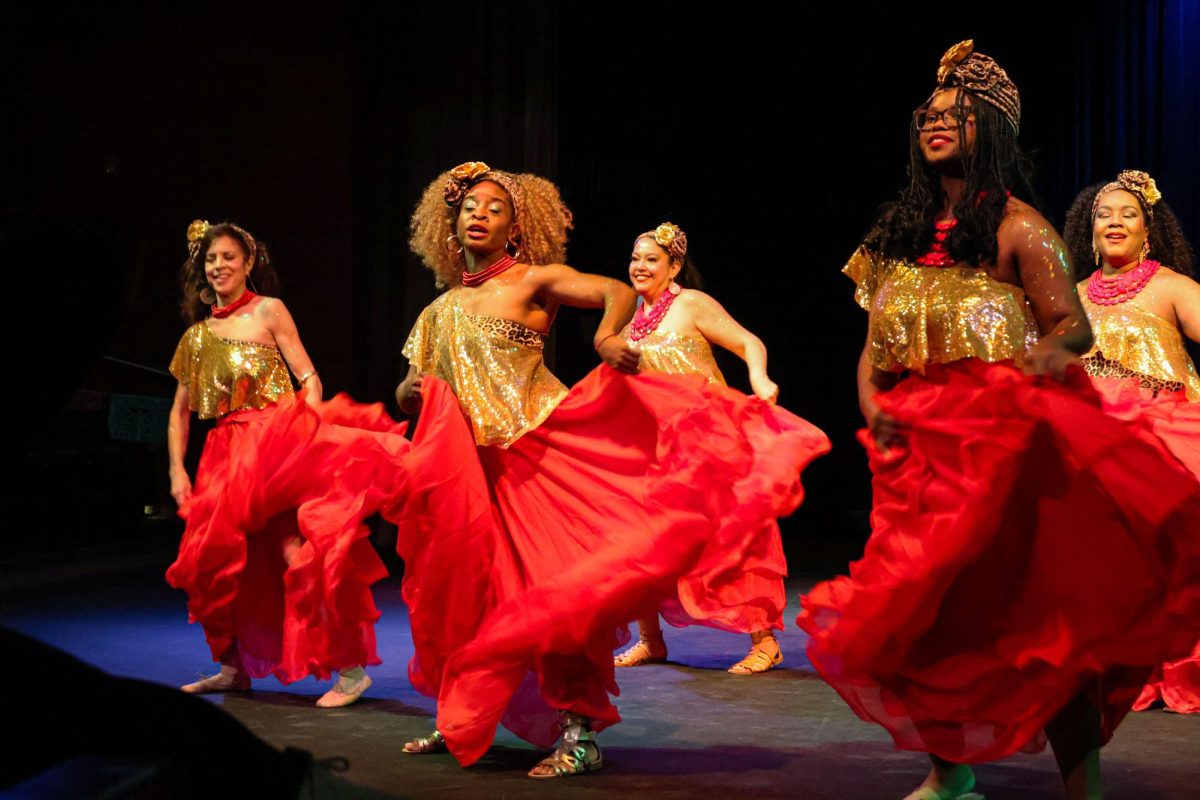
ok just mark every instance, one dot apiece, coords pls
pixel 546 519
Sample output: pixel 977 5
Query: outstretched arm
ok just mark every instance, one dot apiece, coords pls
pixel 570 287
pixel 281 325
pixel 719 327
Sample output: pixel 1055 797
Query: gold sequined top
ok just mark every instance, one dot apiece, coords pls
pixel 493 365
pixel 1147 346
pixel 935 315
pixel 674 354
pixel 225 375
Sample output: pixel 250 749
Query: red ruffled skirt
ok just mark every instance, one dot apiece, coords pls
pixel 1176 421
pixel 524 564
pixel 1025 547
pixel 266 476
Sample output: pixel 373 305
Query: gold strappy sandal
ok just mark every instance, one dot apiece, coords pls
pixel 433 743
pixel 759 659
pixel 577 754
pixel 642 652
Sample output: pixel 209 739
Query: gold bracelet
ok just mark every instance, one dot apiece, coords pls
pixel 306 376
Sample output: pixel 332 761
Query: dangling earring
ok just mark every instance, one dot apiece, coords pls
pixel 1145 251
pixel 674 288
pixel 515 252
pixel 452 240
pixel 1095 253
pixel 250 282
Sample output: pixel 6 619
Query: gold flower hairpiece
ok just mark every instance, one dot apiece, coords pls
pixel 1136 182
pixel 195 233
pixel 469 170
pixel 671 238
pixel 953 57
pixel 981 76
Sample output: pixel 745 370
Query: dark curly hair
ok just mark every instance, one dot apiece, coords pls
pixel 198 295
pixel 1168 245
pixel 995 166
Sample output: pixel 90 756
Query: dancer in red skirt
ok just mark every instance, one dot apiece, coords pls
pixel 1030 557
pixel 672 330
pixel 547 519
pixel 274 558
pixel 1142 301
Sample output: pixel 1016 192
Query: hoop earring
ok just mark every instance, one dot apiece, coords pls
pixel 450 247
pixel 674 288
pixel 516 249
pixel 250 282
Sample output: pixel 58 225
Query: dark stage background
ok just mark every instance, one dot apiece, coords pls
pixel 771 133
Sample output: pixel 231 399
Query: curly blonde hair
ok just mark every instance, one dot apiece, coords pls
pixel 540 211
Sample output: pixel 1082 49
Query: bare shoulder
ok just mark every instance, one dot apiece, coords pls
pixel 696 299
pixel 1175 281
pixel 268 305
pixel 1022 219
pixel 271 312
pixel 541 274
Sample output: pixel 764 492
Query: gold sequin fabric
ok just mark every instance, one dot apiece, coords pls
pixel 1133 342
pixel 674 354
pixel 493 365
pixel 226 375
pixel 936 315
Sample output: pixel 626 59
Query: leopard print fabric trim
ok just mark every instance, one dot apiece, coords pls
pixel 1100 367
pixel 513 331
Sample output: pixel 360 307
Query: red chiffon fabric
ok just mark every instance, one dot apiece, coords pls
pixel 547 548
pixel 1025 547
pixel 1176 421
pixel 269 474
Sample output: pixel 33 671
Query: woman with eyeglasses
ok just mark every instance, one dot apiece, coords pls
pixel 1011 588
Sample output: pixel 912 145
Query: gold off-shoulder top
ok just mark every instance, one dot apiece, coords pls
pixel 227 375
pixel 1131 342
pixel 674 354
pixel 494 366
pixel 936 315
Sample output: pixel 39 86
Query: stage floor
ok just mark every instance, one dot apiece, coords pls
pixel 689 728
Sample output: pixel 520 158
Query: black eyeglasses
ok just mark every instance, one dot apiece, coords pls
pixel 952 117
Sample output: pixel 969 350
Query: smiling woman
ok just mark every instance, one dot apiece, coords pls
pixel 977 623
pixel 542 520
pixel 274 557
pixel 1142 301
pixel 675 328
